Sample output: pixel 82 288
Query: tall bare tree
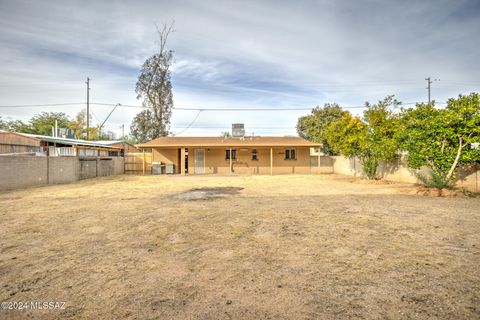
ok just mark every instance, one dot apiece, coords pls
pixel 154 87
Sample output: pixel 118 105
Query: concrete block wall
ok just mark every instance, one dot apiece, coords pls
pixel 26 171
pixel 400 172
pixel 22 171
pixel 63 169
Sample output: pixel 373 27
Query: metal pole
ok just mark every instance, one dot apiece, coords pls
pixel 429 81
pixel 88 106
pixel 271 161
pixel 231 160
pixel 318 160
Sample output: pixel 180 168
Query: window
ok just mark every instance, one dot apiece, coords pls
pixel 234 154
pixel 254 154
pixel 290 154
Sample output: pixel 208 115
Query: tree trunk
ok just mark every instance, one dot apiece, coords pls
pixel 457 159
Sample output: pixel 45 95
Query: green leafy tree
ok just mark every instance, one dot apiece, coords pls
pixel 79 127
pixel 371 139
pixel 15 126
pixel 314 126
pixel 154 87
pixel 143 127
pixel 441 139
pixel 44 122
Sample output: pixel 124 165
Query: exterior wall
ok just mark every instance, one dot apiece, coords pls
pixel 11 142
pixel 326 164
pixel 399 172
pixel 26 171
pixel 167 156
pixel 128 148
pixel 215 162
pixel 63 169
pixel 22 171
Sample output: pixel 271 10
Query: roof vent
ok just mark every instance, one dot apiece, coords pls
pixel 238 130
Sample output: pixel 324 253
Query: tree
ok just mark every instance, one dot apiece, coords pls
pixel 143 127
pixel 79 127
pixel 44 122
pixel 441 139
pixel 371 139
pixel 225 134
pixel 313 127
pixel 15 126
pixel 154 87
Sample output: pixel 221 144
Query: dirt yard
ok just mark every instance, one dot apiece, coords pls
pixel 242 247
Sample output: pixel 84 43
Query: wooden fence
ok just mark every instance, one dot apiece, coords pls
pixel 134 163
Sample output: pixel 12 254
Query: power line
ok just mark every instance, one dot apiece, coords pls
pixel 41 105
pixel 191 123
pixel 185 108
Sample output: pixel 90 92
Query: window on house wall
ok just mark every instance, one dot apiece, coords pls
pixel 234 154
pixel 254 154
pixel 290 154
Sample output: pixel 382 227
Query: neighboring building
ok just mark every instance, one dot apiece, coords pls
pixel 14 143
pixel 250 155
pixel 127 147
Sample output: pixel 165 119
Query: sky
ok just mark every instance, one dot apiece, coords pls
pixel 235 54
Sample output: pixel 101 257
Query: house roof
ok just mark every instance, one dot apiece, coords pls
pixel 166 142
pixel 68 141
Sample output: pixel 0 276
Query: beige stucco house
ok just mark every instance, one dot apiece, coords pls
pixel 246 155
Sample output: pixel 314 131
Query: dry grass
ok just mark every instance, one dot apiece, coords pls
pixel 283 247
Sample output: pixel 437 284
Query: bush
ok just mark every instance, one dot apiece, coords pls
pixel 370 165
pixel 435 180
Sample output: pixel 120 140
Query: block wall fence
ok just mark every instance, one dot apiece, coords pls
pixel 25 171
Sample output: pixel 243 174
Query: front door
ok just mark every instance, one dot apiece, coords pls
pixel 200 161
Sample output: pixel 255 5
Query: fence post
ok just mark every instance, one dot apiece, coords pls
pixel 143 162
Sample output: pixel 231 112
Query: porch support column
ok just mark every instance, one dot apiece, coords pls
pixel 143 162
pixel 182 161
pixel 271 161
pixel 231 171
pixel 318 160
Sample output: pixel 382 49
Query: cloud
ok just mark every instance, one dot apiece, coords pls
pixel 237 54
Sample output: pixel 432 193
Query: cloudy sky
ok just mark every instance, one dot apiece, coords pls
pixel 236 54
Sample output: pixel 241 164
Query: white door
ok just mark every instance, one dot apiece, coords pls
pixel 200 161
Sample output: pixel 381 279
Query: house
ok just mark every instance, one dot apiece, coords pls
pixel 125 146
pixel 15 143
pixel 243 155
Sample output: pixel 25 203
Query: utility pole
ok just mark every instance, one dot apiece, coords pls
pixel 429 81
pixel 123 131
pixel 88 106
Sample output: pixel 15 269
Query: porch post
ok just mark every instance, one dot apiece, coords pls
pixel 231 160
pixel 143 162
pixel 318 160
pixel 271 161
pixel 182 161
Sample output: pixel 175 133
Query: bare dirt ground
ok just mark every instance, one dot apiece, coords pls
pixel 258 247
